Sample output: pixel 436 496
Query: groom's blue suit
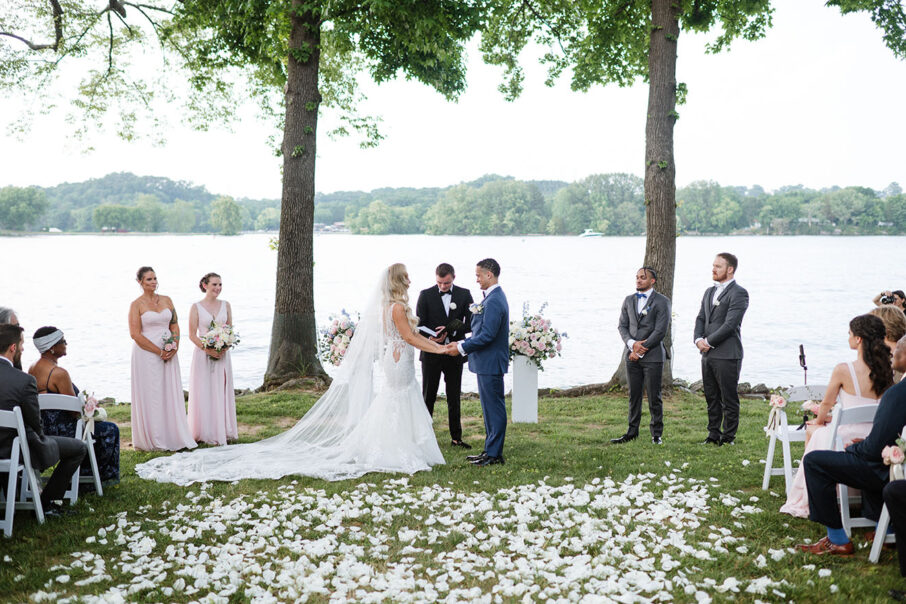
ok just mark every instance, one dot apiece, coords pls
pixel 489 358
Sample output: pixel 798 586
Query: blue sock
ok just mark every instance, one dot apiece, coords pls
pixel 837 536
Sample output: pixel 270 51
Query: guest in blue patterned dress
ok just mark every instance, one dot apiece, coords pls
pixel 54 379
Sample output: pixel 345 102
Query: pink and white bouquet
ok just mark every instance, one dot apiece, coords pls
pixel 335 338
pixel 778 401
pixel 533 337
pixel 169 342
pixel 220 337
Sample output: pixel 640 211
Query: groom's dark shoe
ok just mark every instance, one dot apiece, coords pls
pixel 489 461
pixel 623 439
pixel 711 441
pixel 459 443
pixel 479 457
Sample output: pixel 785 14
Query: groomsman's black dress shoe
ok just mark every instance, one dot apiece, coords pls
pixel 896 594
pixel 730 441
pixel 459 443
pixel 479 457
pixel 489 461
pixel 656 440
pixel 711 441
pixel 623 439
pixel 55 510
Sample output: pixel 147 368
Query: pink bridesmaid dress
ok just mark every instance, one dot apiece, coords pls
pixel 797 501
pixel 158 406
pixel 212 402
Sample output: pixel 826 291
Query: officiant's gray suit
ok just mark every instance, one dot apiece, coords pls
pixel 649 326
pixel 719 322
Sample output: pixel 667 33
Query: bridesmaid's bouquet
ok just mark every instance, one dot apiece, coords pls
pixel 534 337
pixel 220 337
pixel 335 338
pixel 91 411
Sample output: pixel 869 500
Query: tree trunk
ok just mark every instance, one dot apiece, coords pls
pixel 660 169
pixel 293 351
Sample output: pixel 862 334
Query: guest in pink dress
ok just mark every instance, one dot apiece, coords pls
pixel 859 382
pixel 212 402
pixel 158 406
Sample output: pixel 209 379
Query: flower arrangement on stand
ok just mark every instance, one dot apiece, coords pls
pixel 220 337
pixel 335 338
pixel 534 337
pixel 777 403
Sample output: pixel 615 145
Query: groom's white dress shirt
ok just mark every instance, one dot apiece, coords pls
pixel 639 305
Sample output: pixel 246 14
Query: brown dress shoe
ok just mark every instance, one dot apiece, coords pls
pixel 825 546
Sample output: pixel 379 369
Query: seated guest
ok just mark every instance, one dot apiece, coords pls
pixel 895 499
pixel 860 466
pixel 54 379
pixel 895 325
pixel 18 389
pixel 8 317
pixel 858 382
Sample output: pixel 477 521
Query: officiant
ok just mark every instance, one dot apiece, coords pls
pixel 443 316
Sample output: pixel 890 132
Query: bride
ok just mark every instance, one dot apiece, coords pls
pixel 367 421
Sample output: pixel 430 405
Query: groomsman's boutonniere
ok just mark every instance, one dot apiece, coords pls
pixel 476 309
pixel 644 311
pixel 452 305
pixel 716 303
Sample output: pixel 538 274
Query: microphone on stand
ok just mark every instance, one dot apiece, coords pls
pixel 804 382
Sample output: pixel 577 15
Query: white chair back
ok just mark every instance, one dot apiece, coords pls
pixel 64 402
pixel 59 402
pixel 11 467
pixel 843 416
pixel 799 394
pixel 19 461
pixel 783 433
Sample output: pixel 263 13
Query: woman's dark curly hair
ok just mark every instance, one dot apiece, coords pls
pixel 875 352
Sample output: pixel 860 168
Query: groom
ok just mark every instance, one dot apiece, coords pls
pixel 489 357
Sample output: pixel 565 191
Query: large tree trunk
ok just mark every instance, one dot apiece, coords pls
pixel 660 169
pixel 293 351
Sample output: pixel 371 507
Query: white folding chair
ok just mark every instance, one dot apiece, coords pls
pixel 64 402
pixel 844 416
pixel 881 536
pixel 785 435
pixel 19 461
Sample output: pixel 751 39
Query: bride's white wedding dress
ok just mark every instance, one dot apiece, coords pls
pixel 361 424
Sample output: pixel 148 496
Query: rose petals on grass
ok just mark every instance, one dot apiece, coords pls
pixel 635 540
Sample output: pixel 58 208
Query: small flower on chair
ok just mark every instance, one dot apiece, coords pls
pixel 778 401
pixel 893 455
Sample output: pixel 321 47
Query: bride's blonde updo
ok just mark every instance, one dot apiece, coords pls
pixel 397 290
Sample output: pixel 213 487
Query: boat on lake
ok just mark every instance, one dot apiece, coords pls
pixel 591 233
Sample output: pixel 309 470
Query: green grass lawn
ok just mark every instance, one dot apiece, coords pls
pixel 413 528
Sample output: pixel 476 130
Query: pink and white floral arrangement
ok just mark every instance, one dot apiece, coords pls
pixel 220 337
pixel 534 337
pixel 335 338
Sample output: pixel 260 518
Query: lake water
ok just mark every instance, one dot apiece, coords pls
pixel 803 290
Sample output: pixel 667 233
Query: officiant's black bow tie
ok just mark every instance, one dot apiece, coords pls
pixel 449 293
pixel 639 296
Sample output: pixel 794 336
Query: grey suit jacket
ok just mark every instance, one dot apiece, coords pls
pixel 649 326
pixel 18 389
pixel 721 325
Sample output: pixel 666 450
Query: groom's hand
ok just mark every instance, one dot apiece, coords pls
pixel 639 349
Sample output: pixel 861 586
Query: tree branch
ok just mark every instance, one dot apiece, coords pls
pixel 110 46
pixel 57 30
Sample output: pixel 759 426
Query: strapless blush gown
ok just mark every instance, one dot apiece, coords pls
pixel 158 406
pixel 212 401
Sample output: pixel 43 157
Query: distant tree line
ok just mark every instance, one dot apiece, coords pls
pixel 612 204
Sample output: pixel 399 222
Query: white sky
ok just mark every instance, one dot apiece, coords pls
pixel 819 102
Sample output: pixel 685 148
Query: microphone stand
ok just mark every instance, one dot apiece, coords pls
pixel 804 383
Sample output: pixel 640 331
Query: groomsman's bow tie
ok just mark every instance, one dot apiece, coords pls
pixel 449 293
pixel 640 296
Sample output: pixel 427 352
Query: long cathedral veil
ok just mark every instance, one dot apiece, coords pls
pixel 315 445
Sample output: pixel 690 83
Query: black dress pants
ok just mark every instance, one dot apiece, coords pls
pixel 647 376
pixel 720 380
pixel 824 470
pixel 451 367
pixel 895 497
pixel 72 452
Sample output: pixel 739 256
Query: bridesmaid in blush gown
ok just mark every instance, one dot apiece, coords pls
pixel 212 402
pixel 158 406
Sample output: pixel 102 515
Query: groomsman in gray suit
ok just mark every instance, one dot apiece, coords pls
pixel 643 324
pixel 718 337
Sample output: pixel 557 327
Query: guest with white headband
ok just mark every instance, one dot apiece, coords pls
pixel 52 378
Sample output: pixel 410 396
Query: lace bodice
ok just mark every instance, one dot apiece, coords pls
pixel 398 357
